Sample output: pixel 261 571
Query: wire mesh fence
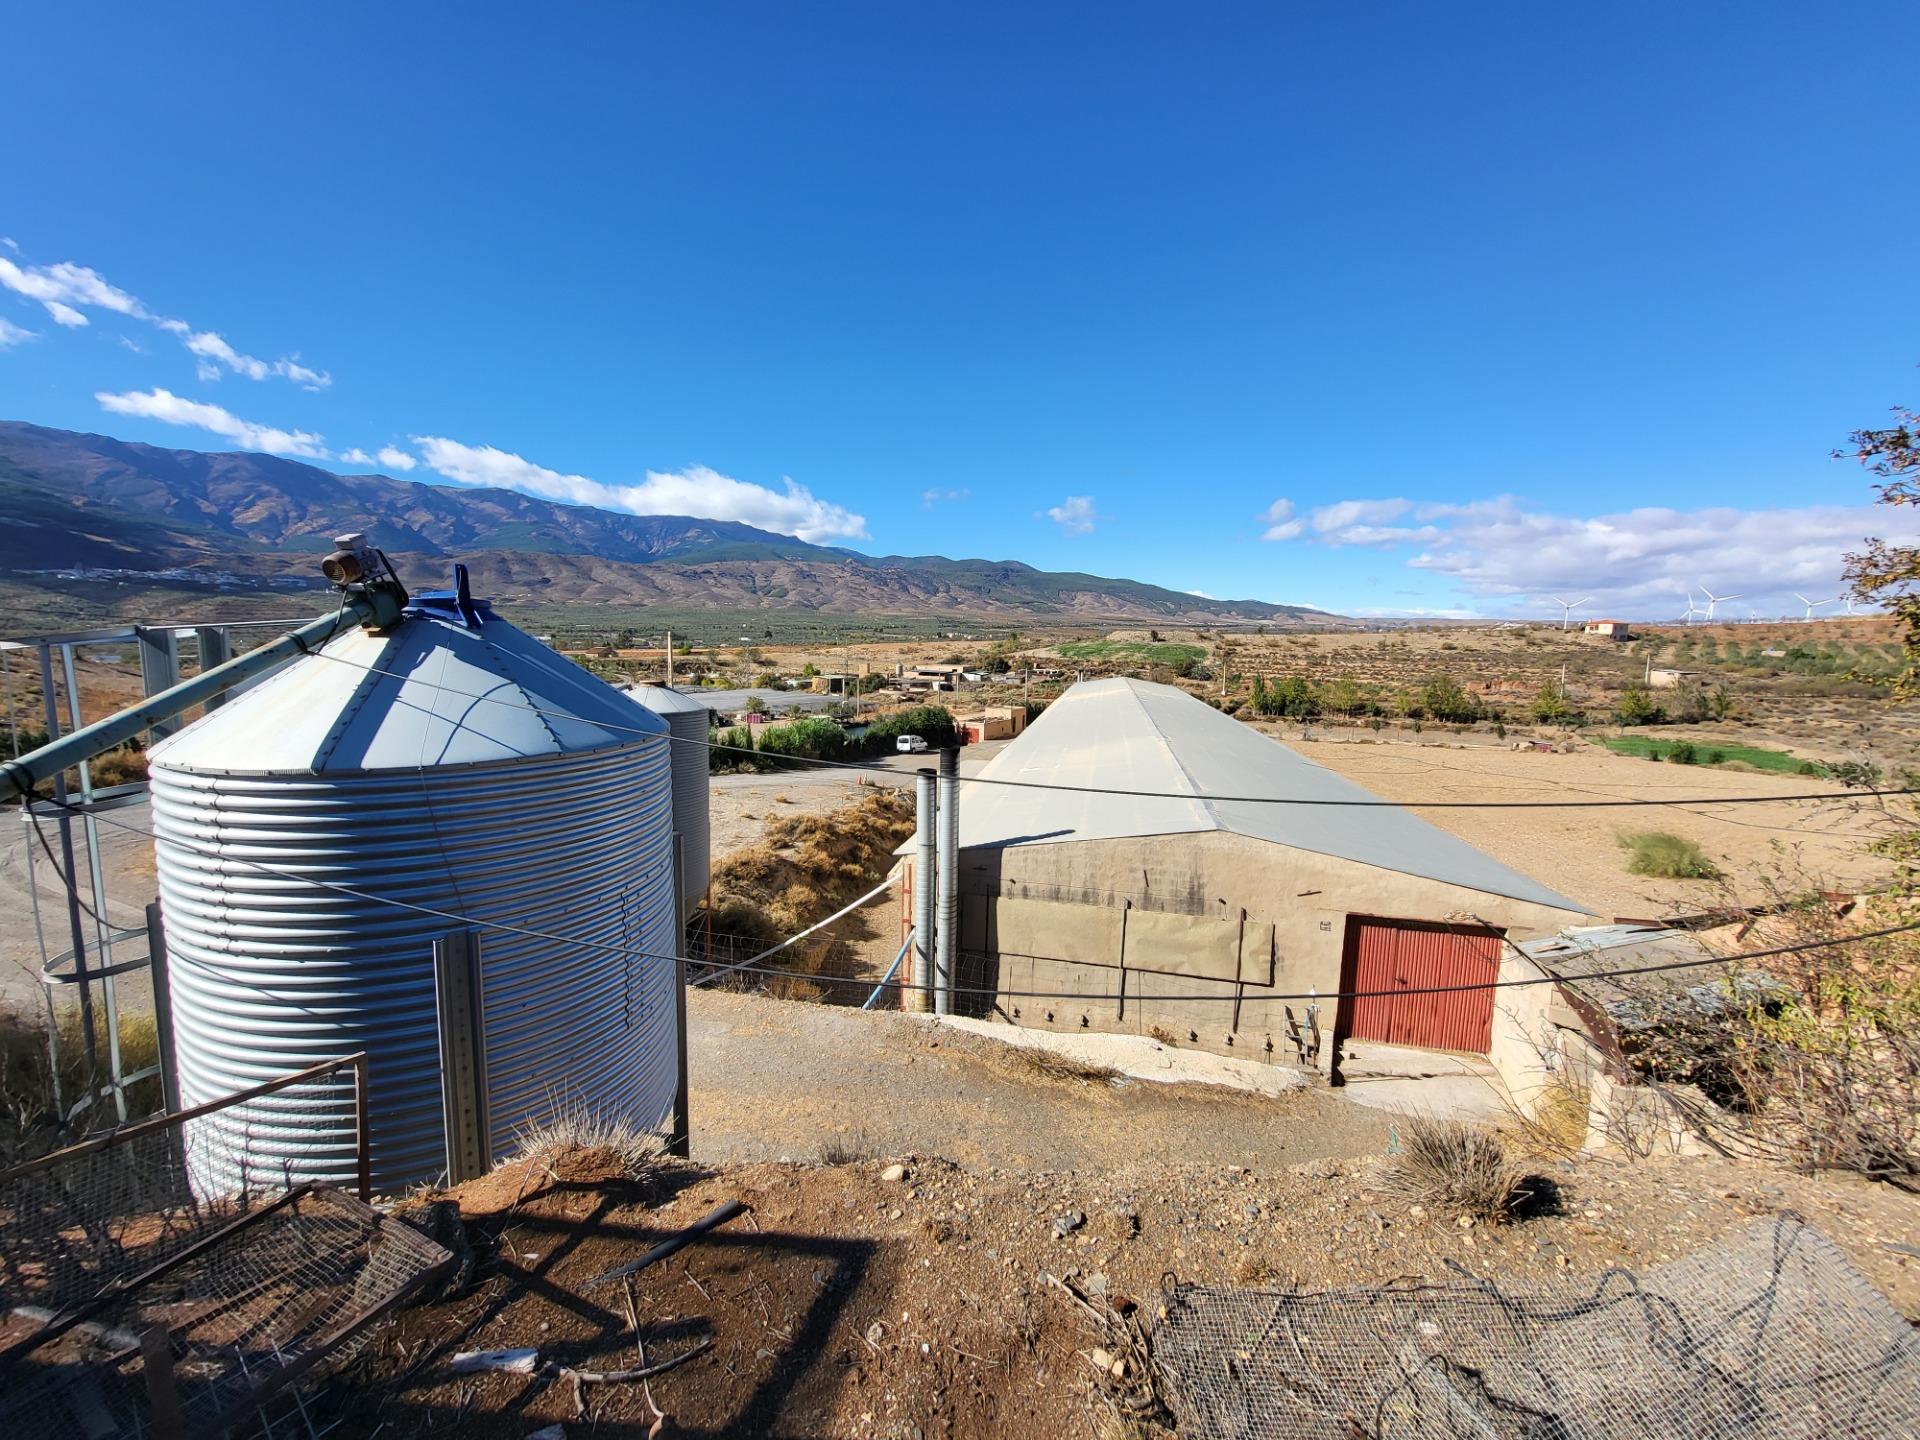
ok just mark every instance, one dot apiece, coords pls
pixel 90 1214
pixel 1769 1335
pixel 164 1278
pixel 225 1329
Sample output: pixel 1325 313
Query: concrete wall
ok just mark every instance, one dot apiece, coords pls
pixel 1195 931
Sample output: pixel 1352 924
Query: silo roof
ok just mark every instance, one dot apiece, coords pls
pixel 665 700
pixel 425 692
pixel 1127 736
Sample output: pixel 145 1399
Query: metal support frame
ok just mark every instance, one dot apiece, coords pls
pixel 946 936
pixel 919 997
pixel 463 1054
pixel 680 1141
pixel 163 1008
pixel 88 968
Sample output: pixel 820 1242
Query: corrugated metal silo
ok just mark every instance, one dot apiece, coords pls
pixel 313 836
pixel 687 719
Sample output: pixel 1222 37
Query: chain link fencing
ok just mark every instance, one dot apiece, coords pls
pixel 1771 1334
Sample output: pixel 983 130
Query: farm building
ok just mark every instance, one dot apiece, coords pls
pixel 992 722
pixel 1610 629
pixel 1190 917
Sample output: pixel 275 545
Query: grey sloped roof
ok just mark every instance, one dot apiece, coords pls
pixel 1132 736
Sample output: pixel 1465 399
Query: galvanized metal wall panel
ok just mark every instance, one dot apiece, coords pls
pixel 286 946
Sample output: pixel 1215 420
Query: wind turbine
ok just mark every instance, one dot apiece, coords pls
pixel 1692 610
pixel 1567 607
pixel 1713 600
pixel 1813 605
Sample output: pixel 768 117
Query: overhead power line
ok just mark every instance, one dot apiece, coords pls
pixel 1372 802
pixel 633 952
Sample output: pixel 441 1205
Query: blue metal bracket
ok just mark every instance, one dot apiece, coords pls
pixel 456 606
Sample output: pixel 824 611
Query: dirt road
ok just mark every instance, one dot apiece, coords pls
pixel 772 1079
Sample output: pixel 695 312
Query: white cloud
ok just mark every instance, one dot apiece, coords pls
pixel 1643 562
pixel 62 288
pixel 1413 613
pixel 355 456
pixel 1281 522
pixel 931 498
pixel 67 291
pixel 171 409
pixel 1074 515
pixel 1201 593
pixel 12 334
pixel 1347 522
pixel 696 490
pixel 212 348
pixel 394 458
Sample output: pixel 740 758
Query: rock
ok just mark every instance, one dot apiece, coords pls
pixel 1417 1211
pixel 1465 1222
pixel 1096 1283
pixel 1069 1221
pixel 1118 1369
pixel 894 1173
pixel 876 1332
pixel 1101 1360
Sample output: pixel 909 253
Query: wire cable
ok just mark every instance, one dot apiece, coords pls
pixel 529 932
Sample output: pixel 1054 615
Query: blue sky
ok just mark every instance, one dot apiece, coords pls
pixel 1457 306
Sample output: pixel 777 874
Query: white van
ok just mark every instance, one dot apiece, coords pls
pixel 910 745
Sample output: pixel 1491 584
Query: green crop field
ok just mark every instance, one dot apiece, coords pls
pixel 1146 652
pixel 1711 752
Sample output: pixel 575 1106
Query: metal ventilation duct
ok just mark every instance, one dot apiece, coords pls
pixel 314 835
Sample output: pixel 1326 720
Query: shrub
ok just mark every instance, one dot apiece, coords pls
pixel 813 738
pixel 932 723
pixel 1683 753
pixel 1665 856
pixel 1453 1165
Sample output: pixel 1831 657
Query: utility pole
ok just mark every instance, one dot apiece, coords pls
pixel 669 659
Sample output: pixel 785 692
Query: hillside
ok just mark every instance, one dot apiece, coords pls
pixel 241 521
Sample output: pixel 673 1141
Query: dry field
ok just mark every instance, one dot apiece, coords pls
pixel 1577 851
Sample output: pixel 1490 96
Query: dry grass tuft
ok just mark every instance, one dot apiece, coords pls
pixel 579 1140
pixel 848 1149
pixel 1055 1066
pixel 1456 1166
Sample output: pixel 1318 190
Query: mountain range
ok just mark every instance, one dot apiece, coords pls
pixel 91 503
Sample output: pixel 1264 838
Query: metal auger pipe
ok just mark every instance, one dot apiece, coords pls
pixel 372 605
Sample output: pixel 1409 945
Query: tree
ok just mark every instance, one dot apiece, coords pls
pixel 1342 696
pixel 1883 574
pixel 1551 706
pixel 1637 707
pixel 1443 698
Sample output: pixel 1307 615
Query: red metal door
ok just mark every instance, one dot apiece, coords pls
pixel 1388 960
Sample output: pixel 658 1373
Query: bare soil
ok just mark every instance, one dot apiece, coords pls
pixel 853 1304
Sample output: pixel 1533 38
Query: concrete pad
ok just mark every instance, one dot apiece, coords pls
pixel 1143 1058
pixel 1398 1077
